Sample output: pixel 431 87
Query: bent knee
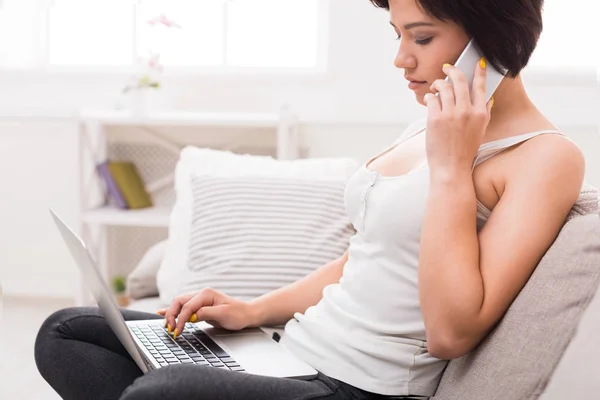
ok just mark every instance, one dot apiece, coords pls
pixel 50 328
pixel 57 318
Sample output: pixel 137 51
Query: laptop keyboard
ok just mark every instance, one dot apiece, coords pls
pixel 193 346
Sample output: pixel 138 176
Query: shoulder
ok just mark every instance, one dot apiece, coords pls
pixel 553 154
pixel 549 161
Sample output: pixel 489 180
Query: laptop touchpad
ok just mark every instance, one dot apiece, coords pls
pixel 261 355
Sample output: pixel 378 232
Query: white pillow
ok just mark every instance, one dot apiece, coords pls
pixel 194 162
pixel 141 282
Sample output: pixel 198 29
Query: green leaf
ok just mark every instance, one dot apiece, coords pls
pixel 119 285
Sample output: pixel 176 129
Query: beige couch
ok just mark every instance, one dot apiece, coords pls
pixel 548 344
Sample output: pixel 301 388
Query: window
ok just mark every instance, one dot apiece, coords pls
pixel 571 35
pixel 18 39
pixel 186 33
pixel 83 32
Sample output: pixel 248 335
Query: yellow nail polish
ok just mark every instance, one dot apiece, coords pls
pixel 175 334
pixel 492 102
pixel 169 328
pixel 446 65
pixel 193 318
pixel 482 63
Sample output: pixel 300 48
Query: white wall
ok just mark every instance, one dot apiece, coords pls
pixel 360 105
pixel 37 170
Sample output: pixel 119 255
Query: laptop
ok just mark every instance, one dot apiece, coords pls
pixel 150 345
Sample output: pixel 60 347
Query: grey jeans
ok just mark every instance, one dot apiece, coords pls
pixel 81 358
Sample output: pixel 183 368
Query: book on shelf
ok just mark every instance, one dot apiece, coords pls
pixel 115 197
pixel 124 185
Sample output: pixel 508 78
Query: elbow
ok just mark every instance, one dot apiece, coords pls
pixel 447 346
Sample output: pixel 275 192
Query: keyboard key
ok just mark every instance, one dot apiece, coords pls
pixel 211 345
pixel 217 364
pixel 232 364
pixel 239 369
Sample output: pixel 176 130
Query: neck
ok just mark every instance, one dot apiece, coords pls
pixel 510 102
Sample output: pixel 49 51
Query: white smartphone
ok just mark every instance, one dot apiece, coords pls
pixel 467 62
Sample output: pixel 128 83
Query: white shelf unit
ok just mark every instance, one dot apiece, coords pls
pixel 157 217
pixel 97 217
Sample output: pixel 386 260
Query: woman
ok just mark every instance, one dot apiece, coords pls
pixel 424 279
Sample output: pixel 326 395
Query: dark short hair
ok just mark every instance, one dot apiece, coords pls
pixel 505 31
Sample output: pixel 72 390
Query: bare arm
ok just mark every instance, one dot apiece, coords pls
pixel 278 307
pixel 468 281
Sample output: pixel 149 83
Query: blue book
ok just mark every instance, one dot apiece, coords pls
pixel 112 189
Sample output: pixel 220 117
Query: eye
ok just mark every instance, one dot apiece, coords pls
pixel 420 42
pixel 423 42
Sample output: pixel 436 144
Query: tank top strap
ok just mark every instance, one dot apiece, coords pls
pixel 411 130
pixel 490 149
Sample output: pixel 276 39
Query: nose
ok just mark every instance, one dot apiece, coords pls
pixel 404 58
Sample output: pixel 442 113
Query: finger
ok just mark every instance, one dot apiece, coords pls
pixel 173 310
pixel 446 94
pixel 434 108
pixel 162 311
pixel 490 105
pixel 459 84
pixel 172 313
pixel 478 95
pixel 209 314
pixel 205 298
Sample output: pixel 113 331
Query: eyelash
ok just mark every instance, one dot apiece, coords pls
pixel 421 42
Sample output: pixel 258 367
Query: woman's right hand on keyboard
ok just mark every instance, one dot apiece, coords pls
pixel 214 307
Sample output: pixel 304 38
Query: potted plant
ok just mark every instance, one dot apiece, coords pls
pixel 120 289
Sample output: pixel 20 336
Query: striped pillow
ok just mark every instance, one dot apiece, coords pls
pixel 252 234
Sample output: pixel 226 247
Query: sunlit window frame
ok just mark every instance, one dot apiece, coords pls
pixel 43 66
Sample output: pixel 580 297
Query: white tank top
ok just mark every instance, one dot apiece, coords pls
pixel 368 330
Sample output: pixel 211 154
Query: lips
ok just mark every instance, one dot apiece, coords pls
pixel 415 85
pixel 414 80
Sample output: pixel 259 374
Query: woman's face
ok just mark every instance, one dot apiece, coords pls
pixel 426 44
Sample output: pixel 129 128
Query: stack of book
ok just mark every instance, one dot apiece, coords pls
pixel 124 186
